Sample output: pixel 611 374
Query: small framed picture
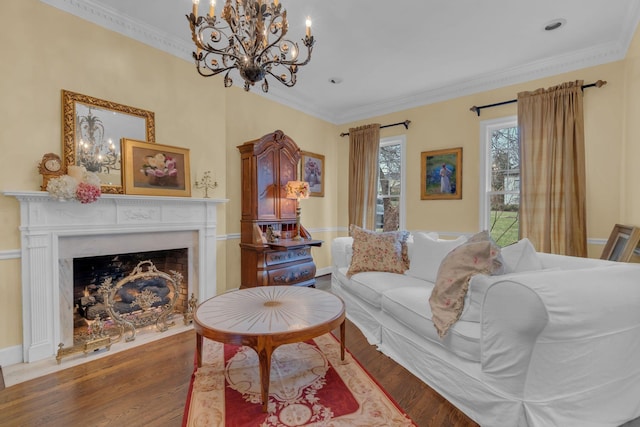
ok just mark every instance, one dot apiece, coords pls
pixel 155 169
pixel 441 174
pixel 312 171
pixel 621 243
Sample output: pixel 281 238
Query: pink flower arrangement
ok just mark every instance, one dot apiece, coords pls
pixel 87 193
pixel 159 165
pixel 79 184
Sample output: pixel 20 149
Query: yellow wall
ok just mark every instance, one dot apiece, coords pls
pixel 211 121
pixel 450 124
pixel 251 116
pixel 628 178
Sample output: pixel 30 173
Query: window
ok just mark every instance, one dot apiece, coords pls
pixel 500 186
pixel 390 214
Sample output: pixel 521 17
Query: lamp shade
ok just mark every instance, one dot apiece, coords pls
pixel 297 190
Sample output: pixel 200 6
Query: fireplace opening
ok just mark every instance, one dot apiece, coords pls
pixel 135 300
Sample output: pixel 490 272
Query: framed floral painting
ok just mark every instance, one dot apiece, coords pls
pixel 441 174
pixel 312 171
pixel 155 169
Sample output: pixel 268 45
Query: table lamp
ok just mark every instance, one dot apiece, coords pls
pixel 297 190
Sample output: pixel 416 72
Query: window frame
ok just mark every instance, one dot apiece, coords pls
pixel 402 141
pixel 486 129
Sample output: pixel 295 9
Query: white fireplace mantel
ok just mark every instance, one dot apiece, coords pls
pixel 44 221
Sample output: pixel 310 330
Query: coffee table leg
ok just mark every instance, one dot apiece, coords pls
pixel 199 339
pixel 342 337
pixel 264 356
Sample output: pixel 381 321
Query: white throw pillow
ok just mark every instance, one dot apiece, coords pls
pixel 427 255
pixel 431 234
pixel 521 256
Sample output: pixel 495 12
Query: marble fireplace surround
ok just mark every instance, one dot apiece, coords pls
pixel 53 232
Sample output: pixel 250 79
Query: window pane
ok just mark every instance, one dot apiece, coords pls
pixel 389 188
pixel 504 185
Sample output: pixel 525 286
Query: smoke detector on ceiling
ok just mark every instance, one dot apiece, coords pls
pixel 555 24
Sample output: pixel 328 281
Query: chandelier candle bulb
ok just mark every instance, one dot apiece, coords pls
pixel 212 8
pixel 195 7
pixel 308 26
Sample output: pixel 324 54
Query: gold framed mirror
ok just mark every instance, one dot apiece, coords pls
pixel 92 129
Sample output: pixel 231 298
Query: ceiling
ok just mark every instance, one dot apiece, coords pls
pixel 394 55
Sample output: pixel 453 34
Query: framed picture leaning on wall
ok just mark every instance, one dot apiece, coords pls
pixel 621 243
pixel 441 174
pixel 155 169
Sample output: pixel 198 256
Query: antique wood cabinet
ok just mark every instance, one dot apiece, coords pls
pixel 267 164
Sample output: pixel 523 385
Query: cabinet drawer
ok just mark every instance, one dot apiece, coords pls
pixel 292 274
pixel 280 257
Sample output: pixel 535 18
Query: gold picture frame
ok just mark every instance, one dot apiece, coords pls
pixel 312 171
pixel 441 174
pixel 114 122
pixel 621 243
pixel 155 169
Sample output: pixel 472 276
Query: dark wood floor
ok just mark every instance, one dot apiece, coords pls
pixel 147 386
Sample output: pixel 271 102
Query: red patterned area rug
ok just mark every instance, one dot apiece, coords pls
pixel 310 386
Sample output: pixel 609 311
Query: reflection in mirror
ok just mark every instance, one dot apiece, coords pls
pixel 92 130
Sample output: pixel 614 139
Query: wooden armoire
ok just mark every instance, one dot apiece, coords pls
pixel 267 164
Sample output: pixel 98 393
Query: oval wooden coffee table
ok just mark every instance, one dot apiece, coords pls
pixel 266 317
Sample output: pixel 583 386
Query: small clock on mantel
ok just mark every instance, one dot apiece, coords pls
pixel 50 167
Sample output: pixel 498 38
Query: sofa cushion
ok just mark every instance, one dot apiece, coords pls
pixel 370 286
pixel 428 253
pixel 374 251
pixel 480 255
pixel 409 306
pixel 521 256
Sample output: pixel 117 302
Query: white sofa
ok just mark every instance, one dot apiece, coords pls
pixel 554 342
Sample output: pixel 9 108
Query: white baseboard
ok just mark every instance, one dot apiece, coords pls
pixel 10 355
pixel 322 271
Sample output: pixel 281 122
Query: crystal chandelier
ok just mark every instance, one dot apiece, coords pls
pixel 94 153
pixel 250 35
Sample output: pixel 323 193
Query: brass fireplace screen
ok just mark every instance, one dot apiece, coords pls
pixel 145 297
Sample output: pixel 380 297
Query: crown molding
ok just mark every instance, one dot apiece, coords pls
pixel 93 11
pixel 597 55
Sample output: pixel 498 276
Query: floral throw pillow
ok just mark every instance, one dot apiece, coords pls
pixel 373 251
pixel 479 255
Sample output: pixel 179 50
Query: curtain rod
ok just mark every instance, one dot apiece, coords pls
pixel 476 110
pixel 406 124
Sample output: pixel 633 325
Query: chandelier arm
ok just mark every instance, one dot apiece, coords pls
pixel 235 22
pixel 283 30
pixel 212 72
pixel 280 61
pixel 197 39
pixel 289 82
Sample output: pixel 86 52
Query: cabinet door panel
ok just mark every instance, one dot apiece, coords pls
pixel 267 184
pixel 288 172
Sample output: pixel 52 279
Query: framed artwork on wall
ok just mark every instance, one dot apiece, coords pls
pixel 312 171
pixel 155 169
pixel 621 243
pixel 441 174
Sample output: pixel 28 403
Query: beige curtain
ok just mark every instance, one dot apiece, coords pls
pixel 364 143
pixel 552 175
